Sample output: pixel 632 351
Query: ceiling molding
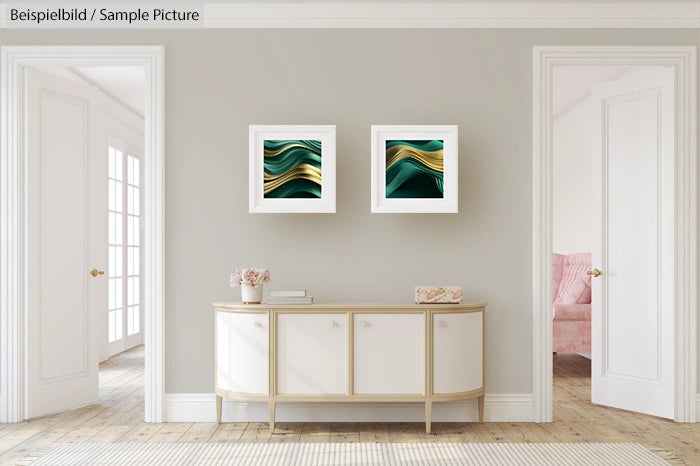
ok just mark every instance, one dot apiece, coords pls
pixel 464 14
pixel 424 14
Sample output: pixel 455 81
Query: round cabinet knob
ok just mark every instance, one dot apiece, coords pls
pixel 443 323
pixel 365 323
pixel 334 324
pixel 256 324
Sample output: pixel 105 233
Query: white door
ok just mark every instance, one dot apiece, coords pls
pixel 66 180
pixel 312 353
pixel 389 354
pixel 633 213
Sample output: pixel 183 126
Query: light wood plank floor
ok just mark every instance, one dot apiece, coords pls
pixel 118 418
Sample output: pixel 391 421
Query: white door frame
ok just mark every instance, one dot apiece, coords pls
pixel 683 58
pixel 13 235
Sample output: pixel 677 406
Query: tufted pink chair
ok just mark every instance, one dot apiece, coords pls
pixel 571 288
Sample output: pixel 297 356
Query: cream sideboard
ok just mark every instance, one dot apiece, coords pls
pixel 349 353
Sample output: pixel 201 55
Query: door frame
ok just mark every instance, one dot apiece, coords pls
pixel 14 60
pixel 683 58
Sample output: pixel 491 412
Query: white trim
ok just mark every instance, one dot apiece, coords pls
pixel 697 407
pixel 684 59
pixel 13 61
pixel 458 14
pixel 201 407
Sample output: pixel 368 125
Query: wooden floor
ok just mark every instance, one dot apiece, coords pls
pixel 118 418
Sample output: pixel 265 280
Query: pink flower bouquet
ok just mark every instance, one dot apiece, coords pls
pixel 249 277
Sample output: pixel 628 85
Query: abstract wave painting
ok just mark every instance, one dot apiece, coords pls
pixel 292 169
pixel 415 169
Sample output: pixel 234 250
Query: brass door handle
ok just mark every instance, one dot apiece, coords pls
pixel 595 272
pixel 95 272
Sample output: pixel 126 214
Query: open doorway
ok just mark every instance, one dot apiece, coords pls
pixel 85 145
pixel 572 232
pixel 612 235
pixel 92 200
pixel 641 263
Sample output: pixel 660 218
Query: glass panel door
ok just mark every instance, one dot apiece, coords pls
pixel 115 316
pixel 133 258
pixel 125 239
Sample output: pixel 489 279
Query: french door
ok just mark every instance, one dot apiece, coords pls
pixel 125 238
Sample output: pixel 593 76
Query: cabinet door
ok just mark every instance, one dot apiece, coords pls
pixel 242 343
pixel 312 353
pixel 457 352
pixel 389 354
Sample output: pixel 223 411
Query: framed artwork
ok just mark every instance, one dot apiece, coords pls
pixel 292 168
pixel 414 169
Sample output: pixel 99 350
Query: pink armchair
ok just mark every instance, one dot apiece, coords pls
pixel 571 289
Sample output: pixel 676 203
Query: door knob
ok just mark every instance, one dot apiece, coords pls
pixel 95 272
pixel 595 272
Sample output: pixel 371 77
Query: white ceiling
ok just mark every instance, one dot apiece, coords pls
pixel 124 83
pixel 573 83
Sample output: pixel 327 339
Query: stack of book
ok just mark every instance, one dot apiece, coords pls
pixel 288 297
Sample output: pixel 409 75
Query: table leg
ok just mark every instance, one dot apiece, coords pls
pixel 218 409
pixel 272 416
pixel 481 408
pixel 428 415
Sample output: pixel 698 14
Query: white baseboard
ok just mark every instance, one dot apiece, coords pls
pixel 697 407
pixel 201 407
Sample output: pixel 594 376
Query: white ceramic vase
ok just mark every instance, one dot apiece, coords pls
pixel 251 294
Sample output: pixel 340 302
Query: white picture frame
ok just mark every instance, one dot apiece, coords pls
pixel 381 203
pixel 260 201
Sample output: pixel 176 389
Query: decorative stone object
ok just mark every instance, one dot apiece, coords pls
pixel 439 294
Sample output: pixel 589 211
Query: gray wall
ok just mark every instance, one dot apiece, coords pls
pixel 220 81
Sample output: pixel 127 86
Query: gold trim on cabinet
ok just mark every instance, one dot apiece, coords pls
pixel 241 396
pixel 349 310
pixel 351 354
pixel 345 307
pixel 219 401
pixel 272 356
pixel 428 368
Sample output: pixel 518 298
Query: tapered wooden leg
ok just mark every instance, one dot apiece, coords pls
pixel 428 415
pixel 272 416
pixel 481 408
pixel 218 409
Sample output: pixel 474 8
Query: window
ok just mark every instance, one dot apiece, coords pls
pixel 124 300
pixel 133 216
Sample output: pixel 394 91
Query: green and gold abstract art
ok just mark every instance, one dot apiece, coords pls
pixel 415 169
pixel 292 169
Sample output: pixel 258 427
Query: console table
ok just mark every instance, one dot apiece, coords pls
pixel 349 352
